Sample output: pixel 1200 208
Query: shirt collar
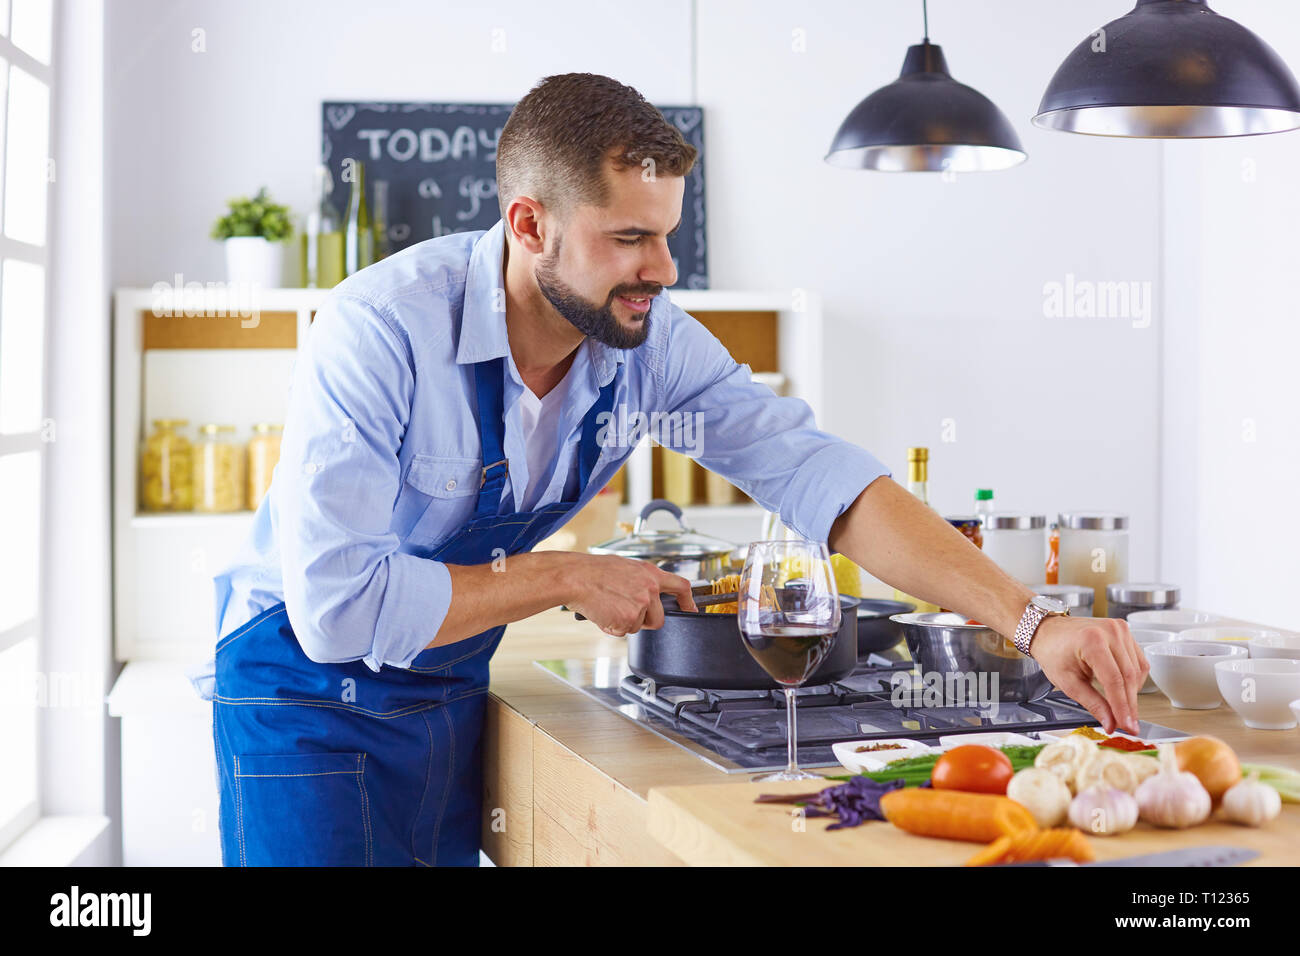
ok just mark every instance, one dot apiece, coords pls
pixel 483 319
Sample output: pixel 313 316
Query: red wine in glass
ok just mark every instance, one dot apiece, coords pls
pixel 790 653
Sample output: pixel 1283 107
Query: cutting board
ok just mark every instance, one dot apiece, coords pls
pixel 720 825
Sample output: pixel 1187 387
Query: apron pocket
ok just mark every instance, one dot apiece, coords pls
pixel 303 810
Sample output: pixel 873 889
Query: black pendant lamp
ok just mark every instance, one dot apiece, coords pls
pixel 1172 69
pixel 925 121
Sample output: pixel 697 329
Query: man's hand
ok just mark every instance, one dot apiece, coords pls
pixel 1074 650
pixel 621 595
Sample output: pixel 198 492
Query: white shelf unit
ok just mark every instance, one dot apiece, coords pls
pixel 164 563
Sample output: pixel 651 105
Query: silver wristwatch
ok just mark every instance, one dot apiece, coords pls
pixel 1035 611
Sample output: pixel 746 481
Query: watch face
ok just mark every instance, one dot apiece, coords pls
pixel 1050 604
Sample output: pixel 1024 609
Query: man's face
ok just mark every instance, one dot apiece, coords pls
pixel 608 262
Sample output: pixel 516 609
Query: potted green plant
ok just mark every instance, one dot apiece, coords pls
pixel 254 233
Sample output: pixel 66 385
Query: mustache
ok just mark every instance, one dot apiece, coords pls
pixel 649 291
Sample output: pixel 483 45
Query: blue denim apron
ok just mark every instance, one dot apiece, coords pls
pixel 335 764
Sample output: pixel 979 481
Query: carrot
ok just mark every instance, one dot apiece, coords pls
pixel 955 814
pixel 1024 846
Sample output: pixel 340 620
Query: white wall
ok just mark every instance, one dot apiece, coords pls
pixel 933 290
pixel 1232 455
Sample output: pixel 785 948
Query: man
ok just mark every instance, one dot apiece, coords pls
pixel 446 415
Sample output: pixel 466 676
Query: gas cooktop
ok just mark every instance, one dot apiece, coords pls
pixel 743 731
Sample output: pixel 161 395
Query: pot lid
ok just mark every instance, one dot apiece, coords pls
pixel 655 544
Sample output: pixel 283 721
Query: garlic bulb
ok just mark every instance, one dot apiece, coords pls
pixel 1172 798
pixel 1250 802
pixel 1107 770
pixel 1042 793
pixel 1104 811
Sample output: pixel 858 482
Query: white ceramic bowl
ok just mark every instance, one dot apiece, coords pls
pixel 1175 620
pixel 1260 691
pixel 1227 633
pixel 1184 670
pixel 1146 636
pixel 1279 645
pixel 871 760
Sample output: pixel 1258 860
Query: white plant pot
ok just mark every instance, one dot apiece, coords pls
pixel 255 261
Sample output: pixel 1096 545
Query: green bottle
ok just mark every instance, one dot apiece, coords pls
pixel 359 237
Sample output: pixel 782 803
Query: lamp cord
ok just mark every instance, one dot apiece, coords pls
pixel 925 16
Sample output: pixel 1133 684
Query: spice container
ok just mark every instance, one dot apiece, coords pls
pixel 1076 597
pixel 263 453
pixel 969 525
pixel 218 470
pixel 1094 551
pixel 1123 599
pixel 167 468
pixel 1017 544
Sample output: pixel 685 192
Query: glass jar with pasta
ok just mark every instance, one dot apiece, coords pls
pixel 218 470
pixel 263 453
pixel 166 468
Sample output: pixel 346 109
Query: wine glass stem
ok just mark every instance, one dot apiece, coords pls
pixel 791 733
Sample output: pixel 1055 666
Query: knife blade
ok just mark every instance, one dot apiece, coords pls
pixel 1188 856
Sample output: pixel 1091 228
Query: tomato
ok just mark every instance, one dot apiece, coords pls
pixel 974 768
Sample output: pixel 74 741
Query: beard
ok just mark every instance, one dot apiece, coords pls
pixel 592 319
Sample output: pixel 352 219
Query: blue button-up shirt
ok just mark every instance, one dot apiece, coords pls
pixel 380 457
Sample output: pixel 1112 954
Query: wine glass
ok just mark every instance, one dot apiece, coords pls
pixel 788 611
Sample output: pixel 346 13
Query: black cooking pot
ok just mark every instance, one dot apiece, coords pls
pixel 695 649
pixel 876 632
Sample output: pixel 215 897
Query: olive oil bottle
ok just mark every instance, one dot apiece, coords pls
pixel 359 237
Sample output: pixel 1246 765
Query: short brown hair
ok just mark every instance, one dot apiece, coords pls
pixel 558 137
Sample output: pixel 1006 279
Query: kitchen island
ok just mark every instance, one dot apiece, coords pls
pixel 567 781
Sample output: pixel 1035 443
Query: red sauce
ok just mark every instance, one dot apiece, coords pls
pixel 1123 743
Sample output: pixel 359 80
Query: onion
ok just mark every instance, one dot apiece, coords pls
pixel 1212 762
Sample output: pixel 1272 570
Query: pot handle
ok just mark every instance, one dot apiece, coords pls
pixel 658 504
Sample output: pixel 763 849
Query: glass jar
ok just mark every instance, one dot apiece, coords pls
pixel 1094 552
pixel 969 525
pixel 1017 543
pixel 167 468
pixel 263 453
pixel 218 470
pixel 1074 596
pixel 1123 599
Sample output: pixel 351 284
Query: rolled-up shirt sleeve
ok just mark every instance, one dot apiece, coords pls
pixel 350 594
pixel 767 445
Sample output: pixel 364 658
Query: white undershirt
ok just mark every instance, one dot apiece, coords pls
pixel 539 421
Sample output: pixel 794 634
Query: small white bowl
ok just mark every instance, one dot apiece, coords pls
pixel 1278 645
pixel 1260 691
pixel 991 739
pixel 1146 636
pixel 1184 670
pixel 1226 633
pixel 1175 620
pixel 846 753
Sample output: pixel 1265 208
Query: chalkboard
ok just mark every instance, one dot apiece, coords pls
pixel 439 160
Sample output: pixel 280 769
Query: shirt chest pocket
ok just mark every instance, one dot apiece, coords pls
pixel 437 498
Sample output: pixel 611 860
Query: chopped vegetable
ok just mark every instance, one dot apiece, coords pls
pixel 1065 843
pixel 873 748
pixel 915 771
pixel 854 802
pixel 955 815
pixel 1282 779
pixel 974 768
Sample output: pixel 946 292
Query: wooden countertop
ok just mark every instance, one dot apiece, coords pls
pixel 569 781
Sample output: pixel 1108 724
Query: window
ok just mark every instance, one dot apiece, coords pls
pixel 26 171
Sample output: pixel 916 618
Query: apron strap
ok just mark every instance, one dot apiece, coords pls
pixel 489 386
